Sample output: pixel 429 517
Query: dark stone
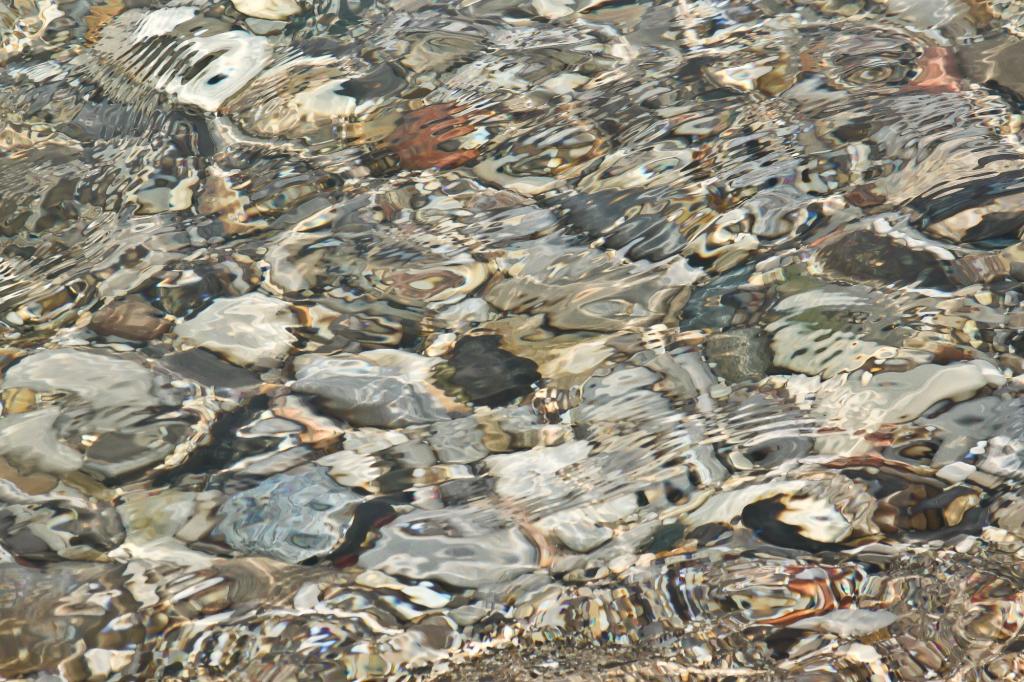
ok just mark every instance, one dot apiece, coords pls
pixel 208 369
pixel 666 538
pixel 708 533
pixel 186 292
pixel 711 304
pixel 488 374
pixel 368 517
pixel 224 447
pixel 465 490
pixel 382 81
pixel 740 354
pixel 99 121
pixel 781 641
pixel 762 518
pixel 641 237
pixel 865 256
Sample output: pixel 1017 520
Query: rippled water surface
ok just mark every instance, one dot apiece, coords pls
pixel 489 339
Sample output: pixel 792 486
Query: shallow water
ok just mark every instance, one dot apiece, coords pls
pixel 346 339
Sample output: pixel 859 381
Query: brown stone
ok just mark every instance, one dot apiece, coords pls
pixel 418 138
pixel 132 319
pixel 863 196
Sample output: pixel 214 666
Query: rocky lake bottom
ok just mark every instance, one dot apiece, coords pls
pixel 511 339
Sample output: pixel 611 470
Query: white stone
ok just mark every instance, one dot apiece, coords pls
pixel 956 472
pixel 247 330
pixel 268 9
pixel 848 622
pixel 239 57
pixel 553 9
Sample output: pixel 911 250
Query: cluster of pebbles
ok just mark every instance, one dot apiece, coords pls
pixel 366 339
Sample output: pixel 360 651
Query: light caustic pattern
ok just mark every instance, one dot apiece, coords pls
pixel 489 339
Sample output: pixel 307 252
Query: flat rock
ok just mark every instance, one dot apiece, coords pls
pixel 490 375
pixel 206 368
pixel 132 319
pixel 249 330
pixel 740 354
pixel 464 547
pixel 292 517
pixel 385 388
pixel 109 400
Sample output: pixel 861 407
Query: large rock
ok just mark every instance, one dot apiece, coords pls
pixel 249 330
pixel 385 388
pixel 292 517
pixel 110 415
pixel 490 375
pixel 464 547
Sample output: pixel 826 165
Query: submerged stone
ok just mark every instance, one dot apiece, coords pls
pixel 739 354
pixel 291 517
pixel 489 374
pixel 865 256
pixel 250 330
pixel 130 319
pixel 462 547
pixel 384 388
pixel 206 368
pixel 112 416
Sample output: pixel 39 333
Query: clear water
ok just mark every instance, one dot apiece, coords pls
pixel 496 339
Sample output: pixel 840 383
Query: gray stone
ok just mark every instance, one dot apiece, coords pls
pixel 740 354
pixel 291 517
pixel 464 547
pixel 384 388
